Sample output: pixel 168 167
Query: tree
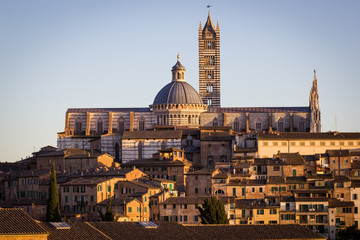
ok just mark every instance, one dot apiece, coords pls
pixel 213 212
pixel 109 216
pixel 350 233
pixel 53 205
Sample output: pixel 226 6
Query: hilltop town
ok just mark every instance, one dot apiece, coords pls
pixel 268 165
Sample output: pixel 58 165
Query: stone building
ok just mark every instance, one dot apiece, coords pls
pixel 178 105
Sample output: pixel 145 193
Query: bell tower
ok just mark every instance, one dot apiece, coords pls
pixel 209 63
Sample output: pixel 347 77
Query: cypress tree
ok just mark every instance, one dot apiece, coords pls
pixel 109 216
pixel 213 212
pixel 53 206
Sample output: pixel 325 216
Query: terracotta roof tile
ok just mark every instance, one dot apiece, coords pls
pixel 14 221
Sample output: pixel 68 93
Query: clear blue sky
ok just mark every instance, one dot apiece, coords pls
pixel 60 54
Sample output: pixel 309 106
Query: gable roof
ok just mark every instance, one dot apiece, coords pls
pixel 14 221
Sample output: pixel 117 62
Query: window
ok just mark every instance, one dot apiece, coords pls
pixel 185 206
pixel 355 196
pixel 258 125
pixel 355 210
pixel 196 218
pixel 141 123
pixel 260 190
pixel 215 122
pixel 287 206
pixel 209 87
pixel 78 126
pixel 209 101
pixel 232 206
pixel 66 199
pixel 140 150
pixel 196 190
pixel 130 209
pixel 174 206
pixel 210 162
pixel 234 191
pixel 185 218
pixel 276 168
pixel 260 211
pixel 164 206
pixel 253 189
pixel 237 125
pixel 280 126
pixel 273 211
pixel 109 188
pixel 121 125
pixel 100 129
pixel 91 198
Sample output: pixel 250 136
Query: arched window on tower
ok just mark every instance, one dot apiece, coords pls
pixel 100 128
pixel 140 150
pixel 182 76
pixel 209 88
pixel 121 125
pixel 117 152
pixel 209 101
pixel 178 75
pixel 215 122
pixel 280 126
pixel 78 126
pixel 258 125
pixel 237 125
pixel 141 123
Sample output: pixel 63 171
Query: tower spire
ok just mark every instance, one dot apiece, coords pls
pixel 315 120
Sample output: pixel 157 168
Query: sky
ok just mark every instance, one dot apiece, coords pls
pixel 64 54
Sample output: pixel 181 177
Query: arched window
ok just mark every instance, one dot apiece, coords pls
pixel 78 126
pixel 280 126
pixel 258 125
pixel 76 145
pixel 100 129
pixel 178 75
pixel 121 125
pixel 141 124
pixel 209 101
pixel 236 125
pixel 117 151
pixel 189 119
pixel 219 192
pixel 215 122
pixel 171 120
pixel 182 76
pixel 140 150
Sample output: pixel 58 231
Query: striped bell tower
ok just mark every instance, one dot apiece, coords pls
pixel 209 63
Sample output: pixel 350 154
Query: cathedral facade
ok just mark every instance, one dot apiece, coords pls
pixel 137 133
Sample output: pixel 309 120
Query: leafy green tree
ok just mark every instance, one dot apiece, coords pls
pixel 53 205
pixel 213 212
pixel 350 233
pixel 109 215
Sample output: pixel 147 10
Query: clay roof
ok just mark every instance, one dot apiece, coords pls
pixel 202 172
pixel 93 110
pixel 337 203
pixel 216 136
pixel 308 136
pixel 14 221
pixel 162 134
pixel 292 158
pixel 78 230
pixel 257 109
pixel 338 153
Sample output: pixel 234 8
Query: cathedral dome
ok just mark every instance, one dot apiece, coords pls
pixel 177 92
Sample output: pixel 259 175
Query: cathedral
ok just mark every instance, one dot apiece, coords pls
pixel 178 111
